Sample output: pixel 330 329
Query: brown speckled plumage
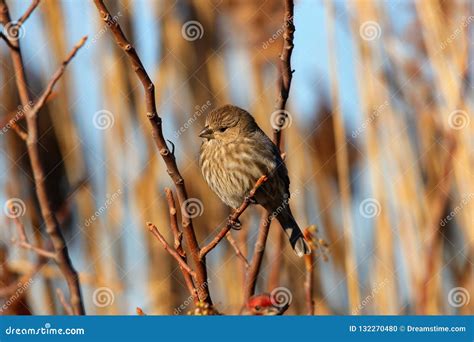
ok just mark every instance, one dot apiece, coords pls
pixel 235 153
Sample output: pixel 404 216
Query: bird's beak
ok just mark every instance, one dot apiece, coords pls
pixel 206 133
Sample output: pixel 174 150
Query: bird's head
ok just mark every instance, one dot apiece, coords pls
pixel 227 123
pixel 265 305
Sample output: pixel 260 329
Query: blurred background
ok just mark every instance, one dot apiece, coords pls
pixel 379 148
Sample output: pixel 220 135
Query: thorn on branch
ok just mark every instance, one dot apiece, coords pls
pixel 172 146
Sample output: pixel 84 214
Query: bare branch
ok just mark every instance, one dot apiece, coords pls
pixel 154 230
pixel 286 73
pixel 256 263
pixel 28 12
pixel 168 157
pixel 237 250
pixel 20 131
pixel 53 228
pixel 55 78
pixel 66 306
pixel 309 260
pixel 178 237
pixel 233 218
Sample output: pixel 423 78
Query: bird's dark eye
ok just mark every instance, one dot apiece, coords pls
pixel 222 129
pixel 258 308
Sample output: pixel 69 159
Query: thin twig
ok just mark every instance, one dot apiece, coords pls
pixel 168 157
pixel 40 251
pixel 154 230
pixel 178 237
pixel 28 12
pixel 309 261
pixel 256 263
pixel 55 78
pixel 53 228
pixel 233 218
pixel 20 113
pixel 20 131
pixel 66 306
pixel 237 250
pixel 286 73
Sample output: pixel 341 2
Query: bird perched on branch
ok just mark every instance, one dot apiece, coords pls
pixel 235 153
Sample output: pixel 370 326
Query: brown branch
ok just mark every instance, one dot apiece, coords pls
pixel 14 117
pixel 286 73
pixel 20 131
pixel 309 261
pixel 24 243
pixel 38 250
pixel 256 263
pixel 154 230
pixel 233 218
pixel 66 306
pixel 178 237
pixel 28 12
pixel 237 250
pixel 168 157
pixel 53 228
pixel 54 79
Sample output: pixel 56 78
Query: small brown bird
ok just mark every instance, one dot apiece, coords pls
pixel 235 153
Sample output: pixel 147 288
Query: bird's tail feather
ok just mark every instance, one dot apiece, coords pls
pixel 294 233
